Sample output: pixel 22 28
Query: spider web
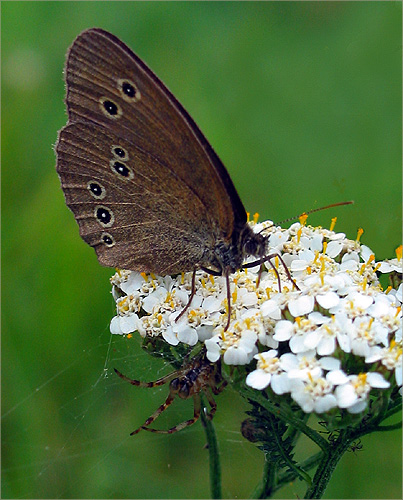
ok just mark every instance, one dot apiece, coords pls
pixel 68 437
pixel 80 446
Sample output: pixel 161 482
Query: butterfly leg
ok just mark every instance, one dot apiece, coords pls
pixel 192 294
pixel 227 273
pixel 268 258
pixel 176 428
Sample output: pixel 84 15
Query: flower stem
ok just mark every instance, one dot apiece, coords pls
pixel 285 415
pixel 327 465
pixel 266 485
pixel 214 456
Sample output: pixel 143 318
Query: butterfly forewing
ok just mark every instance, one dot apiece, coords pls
pixel 170 190
pixel 139 202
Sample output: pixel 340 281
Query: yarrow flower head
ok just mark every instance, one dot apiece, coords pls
pixel 327 342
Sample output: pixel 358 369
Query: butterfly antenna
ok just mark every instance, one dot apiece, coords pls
pixel 341 203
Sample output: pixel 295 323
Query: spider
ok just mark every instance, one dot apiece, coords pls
pixel 198 376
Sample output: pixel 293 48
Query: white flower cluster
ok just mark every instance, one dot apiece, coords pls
pixel 340 311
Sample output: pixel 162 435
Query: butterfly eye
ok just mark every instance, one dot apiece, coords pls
pixel 104 215
pixel 108 239
pixel 121 169
pixel 129 90
pixel 110 108
pixel 120 152
pixel 96 189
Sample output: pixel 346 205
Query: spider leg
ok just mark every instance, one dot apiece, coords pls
pixel 176 428
pixel 156 414
pixel 160 381
pixel 217 390
pixel 211 402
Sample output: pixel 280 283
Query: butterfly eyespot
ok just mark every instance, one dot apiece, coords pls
pixel 110 108
pixel 129 90
pixel 108 239
pixel 104 216
pixel 121 169
pixel 120 152
pixel 96 189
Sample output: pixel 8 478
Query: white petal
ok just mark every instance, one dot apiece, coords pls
pixel 183 297
pixel 212 303
pixel 380 307
pixel 377 380
pixel 330 363
pixel 312 339
pixel 302 305
pixel 248 299
pixel 366 253
pixel 134 282
pixel 399 375
pixel 289 361
pixel 337 377
pixel 115 326
pixel 235 356
pixel 351 256
pixel 346 395
pixel 213 356
pixel 204 332
pixel 248 340
pixel 187 335
pixel 360 300
pixel 304 400
pixel 344 342
pixel 297 344
pixel 154 299
pixel 280 383
pixel 326 346
pixel 318 318
pixel 212 344
pixel 270 309
pixel 358 407
pixel 129 323
pixel 325 403
pixel 337 236
pixel 399 293
pixel 360 348
pixel 334 248
pixel 267 355
pixel 349 265
pixel 306 254
pixel 283 330
pixel 170 336
pixel 385 267
pixel 278 239
pixel 375 354
pixel 258 379
pixel 299 265
pixel 328 300
pixel 316 242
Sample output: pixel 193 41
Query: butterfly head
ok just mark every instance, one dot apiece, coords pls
pixel 253 244
pixel 229 257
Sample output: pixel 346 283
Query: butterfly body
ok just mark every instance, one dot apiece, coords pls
pixel 146 188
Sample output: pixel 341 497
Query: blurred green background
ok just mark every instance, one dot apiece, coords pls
pixel 302 101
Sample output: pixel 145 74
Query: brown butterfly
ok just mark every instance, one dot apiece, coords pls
pixel 148 191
